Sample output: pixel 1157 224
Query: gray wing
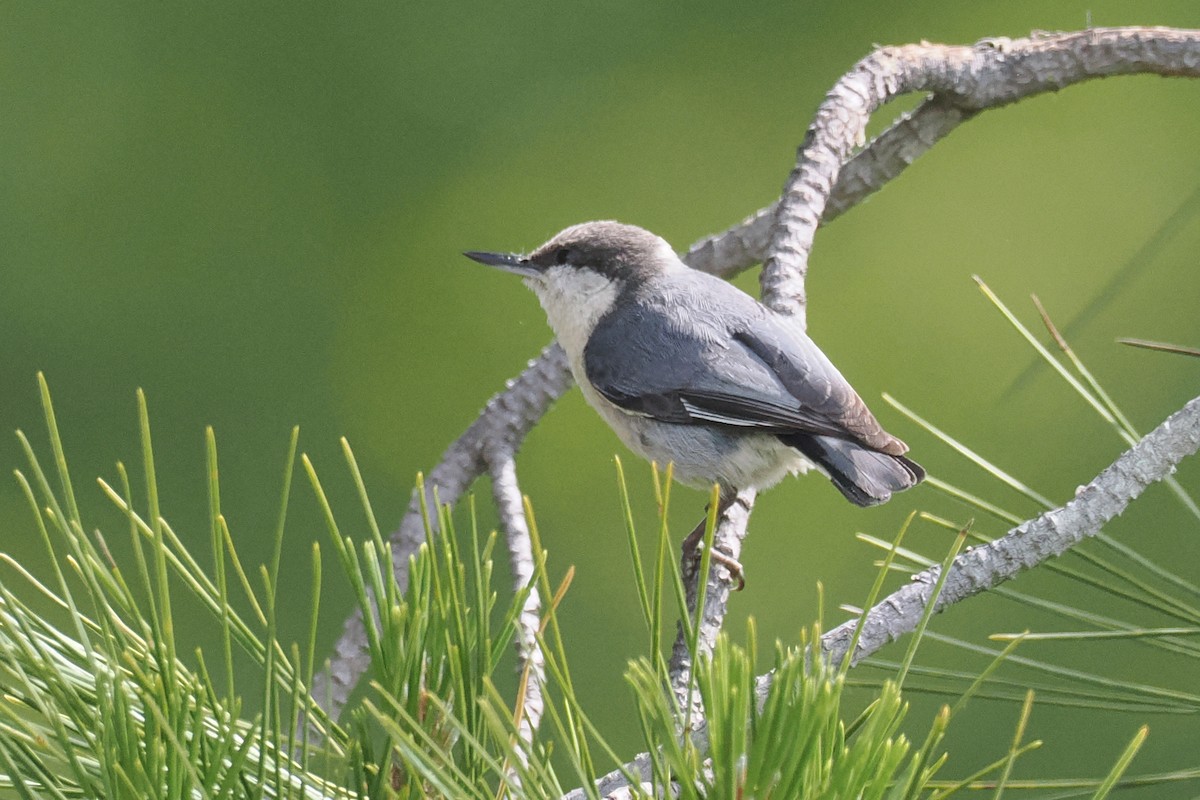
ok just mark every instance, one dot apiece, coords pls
pixel 754 371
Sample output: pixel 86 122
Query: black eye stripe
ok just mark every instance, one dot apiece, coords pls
pixel 561 255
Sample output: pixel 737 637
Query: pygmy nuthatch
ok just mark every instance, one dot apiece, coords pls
pixel 687 368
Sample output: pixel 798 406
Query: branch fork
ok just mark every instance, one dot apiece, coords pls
pixel 827 180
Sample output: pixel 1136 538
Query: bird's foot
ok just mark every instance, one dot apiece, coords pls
pixel 693 544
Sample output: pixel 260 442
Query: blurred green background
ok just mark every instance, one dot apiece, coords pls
pixel 256 214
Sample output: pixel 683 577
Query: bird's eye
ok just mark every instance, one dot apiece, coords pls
pixel 561 255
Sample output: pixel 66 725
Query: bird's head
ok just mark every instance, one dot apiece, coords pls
pixel 579 275
pixel 587 258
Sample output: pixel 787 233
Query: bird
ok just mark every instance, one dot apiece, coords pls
pixel 688 369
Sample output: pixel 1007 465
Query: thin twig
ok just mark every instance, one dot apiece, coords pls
pixel 727 540
pixel 531 660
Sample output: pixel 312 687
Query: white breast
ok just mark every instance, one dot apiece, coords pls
pixel 574 301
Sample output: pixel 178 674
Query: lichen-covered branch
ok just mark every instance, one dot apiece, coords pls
pixel 991 73
pixel 531 660
pixel 1152 459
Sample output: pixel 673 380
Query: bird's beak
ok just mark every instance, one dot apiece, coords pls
pixel 518 265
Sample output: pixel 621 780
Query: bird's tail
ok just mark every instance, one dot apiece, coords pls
pixel 866 477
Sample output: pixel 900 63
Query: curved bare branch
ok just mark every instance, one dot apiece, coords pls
pixel 989 74
pixel 963 79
